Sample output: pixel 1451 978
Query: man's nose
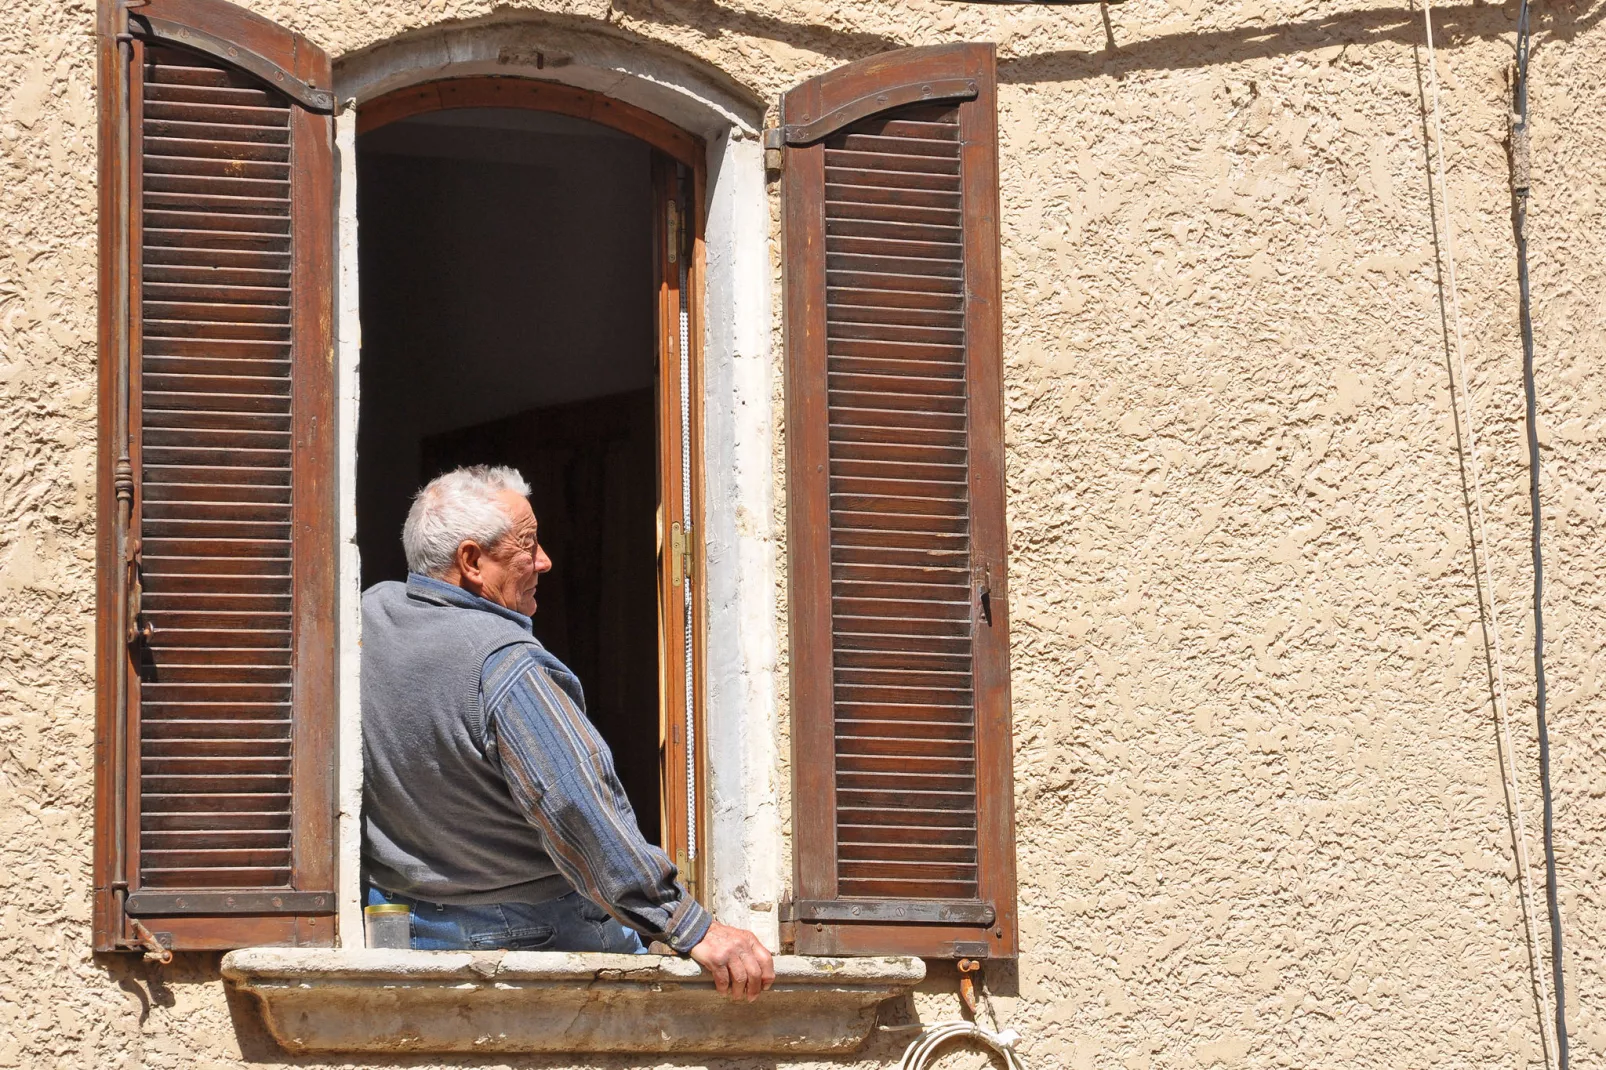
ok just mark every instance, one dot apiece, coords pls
pixel 543 563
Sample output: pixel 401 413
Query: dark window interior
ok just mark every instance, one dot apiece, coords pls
pixel 505 259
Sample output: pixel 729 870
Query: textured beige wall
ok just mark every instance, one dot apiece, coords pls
pixel 1261 820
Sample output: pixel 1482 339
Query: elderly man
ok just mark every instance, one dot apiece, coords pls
pixel 491 806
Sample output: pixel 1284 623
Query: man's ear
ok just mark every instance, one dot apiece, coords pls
pixel 469 557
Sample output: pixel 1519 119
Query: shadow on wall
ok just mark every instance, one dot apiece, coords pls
pixel 1453 25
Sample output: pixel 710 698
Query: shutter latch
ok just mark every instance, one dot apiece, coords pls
pixel 155 950
pixel 967 984
pixel 138 630
pixel 981 577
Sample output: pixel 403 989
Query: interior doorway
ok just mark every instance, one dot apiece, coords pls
pixel 521 274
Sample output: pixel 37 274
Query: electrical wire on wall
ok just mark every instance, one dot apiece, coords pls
pixel 1520 183
pixel 1483 556
pixel 1556 1043
pixel 935 1037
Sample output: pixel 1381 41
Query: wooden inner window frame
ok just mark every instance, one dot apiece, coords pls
pixel 679 179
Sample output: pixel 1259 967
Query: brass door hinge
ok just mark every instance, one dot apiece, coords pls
pixel 680 553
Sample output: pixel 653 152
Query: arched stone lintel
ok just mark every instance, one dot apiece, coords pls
pixel 677 87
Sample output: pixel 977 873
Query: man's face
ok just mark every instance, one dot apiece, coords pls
pixel 510 570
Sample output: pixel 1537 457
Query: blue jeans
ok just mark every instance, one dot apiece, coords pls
pixel 569 923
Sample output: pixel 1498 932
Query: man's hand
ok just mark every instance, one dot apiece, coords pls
pixel 742 967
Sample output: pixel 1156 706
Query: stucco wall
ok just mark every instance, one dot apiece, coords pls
pixel 1259 803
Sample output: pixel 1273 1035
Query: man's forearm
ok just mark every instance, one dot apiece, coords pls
pixel 599 849
pixel 560 774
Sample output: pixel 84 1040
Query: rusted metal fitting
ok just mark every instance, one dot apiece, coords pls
pixel 155 951
pixel 967 983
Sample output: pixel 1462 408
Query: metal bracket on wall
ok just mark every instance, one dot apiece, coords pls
pixel 774 142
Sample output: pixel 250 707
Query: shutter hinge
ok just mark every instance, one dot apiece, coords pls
pixel 786 916
pixel 774 143
pixel 680 553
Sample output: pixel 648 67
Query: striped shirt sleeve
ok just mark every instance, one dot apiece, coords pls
pixel 561 774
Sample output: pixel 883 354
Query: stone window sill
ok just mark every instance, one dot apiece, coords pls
pixel 358 1000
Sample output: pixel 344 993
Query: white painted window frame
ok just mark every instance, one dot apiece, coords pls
pixel 744 842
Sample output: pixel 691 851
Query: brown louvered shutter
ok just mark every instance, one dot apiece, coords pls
pixel 900 658
pixel 216 785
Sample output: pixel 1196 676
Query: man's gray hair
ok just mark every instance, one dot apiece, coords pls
pixel 456 506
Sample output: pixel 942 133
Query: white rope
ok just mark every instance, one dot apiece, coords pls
pixel 1508 771
pixel 919 1055
pixel 687 619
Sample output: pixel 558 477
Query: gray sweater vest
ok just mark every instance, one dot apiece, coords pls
pixel 438 821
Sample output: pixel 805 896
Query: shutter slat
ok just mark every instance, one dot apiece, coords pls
pixel 247 148
pixel 217 263
pixel 905 841
pixel 841 176
pixel 175 583
pixel 895 350
pixel 159 92
pixel 852 646
pixel 178 420
pixel 227 366
pixel 189 839
pixel 217 878
pixel 875 486
pixel 205 241
pixel 212 110
pixel 892 208
pixel 226 655
pixel 264 126
pixel 201 731
pixel 861 406
pixel 223 475
pixel 158 560
pixel 212 293
pixel 880 735
pixel 915 291
pixel 195 188
pixel 163 220
pixel 181 600
pixel 862 294
pixel 175 67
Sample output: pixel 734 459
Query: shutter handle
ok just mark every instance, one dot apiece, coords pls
pixel 981 578
pixel 139 631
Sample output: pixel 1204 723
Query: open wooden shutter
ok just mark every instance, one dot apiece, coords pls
pixel 900 656
pixel 215 770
